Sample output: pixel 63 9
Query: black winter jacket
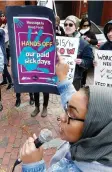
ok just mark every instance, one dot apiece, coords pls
pixel 92 36
pixel 108 44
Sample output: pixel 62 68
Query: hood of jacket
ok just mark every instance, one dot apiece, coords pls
pixel 105 29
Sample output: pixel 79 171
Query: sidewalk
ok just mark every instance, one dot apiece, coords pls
pixel 15 121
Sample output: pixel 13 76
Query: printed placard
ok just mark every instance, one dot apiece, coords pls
pixel 35 50
pixel 103 68
pixel 68 48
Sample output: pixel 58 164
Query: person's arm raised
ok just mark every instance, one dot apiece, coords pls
pixel 65 87
pixel 62 69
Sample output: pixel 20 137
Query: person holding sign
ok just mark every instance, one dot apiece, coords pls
pixel 103 61
pixel 37 104
pixel 84 126
pixel 84 59
pixel 18 99
pixel 108 35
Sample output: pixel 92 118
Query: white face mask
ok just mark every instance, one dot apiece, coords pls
pixel 83 31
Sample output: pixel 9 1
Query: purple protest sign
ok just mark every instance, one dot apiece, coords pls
pixel 35 50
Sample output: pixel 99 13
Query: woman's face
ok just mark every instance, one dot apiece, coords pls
pixel 69 27
pixel 85 25
pixel 2 16
pixel 109 35
pixel 71 130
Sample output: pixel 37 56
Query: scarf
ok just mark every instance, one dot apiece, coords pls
pixel 83 31
pixel 76 34
pixel 96 141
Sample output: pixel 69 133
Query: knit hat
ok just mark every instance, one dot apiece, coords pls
pixel 74 19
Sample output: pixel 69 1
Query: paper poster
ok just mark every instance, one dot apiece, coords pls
pixel 103 68
pixel 46 3
pixel 35 50
pixel 68 48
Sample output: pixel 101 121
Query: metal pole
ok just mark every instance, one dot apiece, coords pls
pixel 54 5
pixel 80 9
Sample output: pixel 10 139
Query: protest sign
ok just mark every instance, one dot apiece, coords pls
pixel 103 68
pixel 68 48
pixel 33 51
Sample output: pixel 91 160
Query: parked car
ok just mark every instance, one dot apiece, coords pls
pixel 96 29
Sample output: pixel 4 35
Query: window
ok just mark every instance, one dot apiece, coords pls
pixel 95 29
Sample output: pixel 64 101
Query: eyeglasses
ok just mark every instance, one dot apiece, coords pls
pixel 68 24
pixel 85 25
pixel 67 112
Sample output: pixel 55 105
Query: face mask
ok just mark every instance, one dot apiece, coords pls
pixel 83 31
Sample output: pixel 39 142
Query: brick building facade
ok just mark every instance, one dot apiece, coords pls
pixel 4 3
pixel 106 12
pixel 78 8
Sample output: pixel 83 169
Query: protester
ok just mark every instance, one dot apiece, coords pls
pixel 86 33
pixel 3 24
pixel 18 99
pixel 84 59
pixel 5 27
pixel 6 74
pixel 108 35
pixel 2 54
pixel 7 77
pixel 85 127
pixel 89 36
pixel 3 19
pixel 37 104
pixel 59 29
